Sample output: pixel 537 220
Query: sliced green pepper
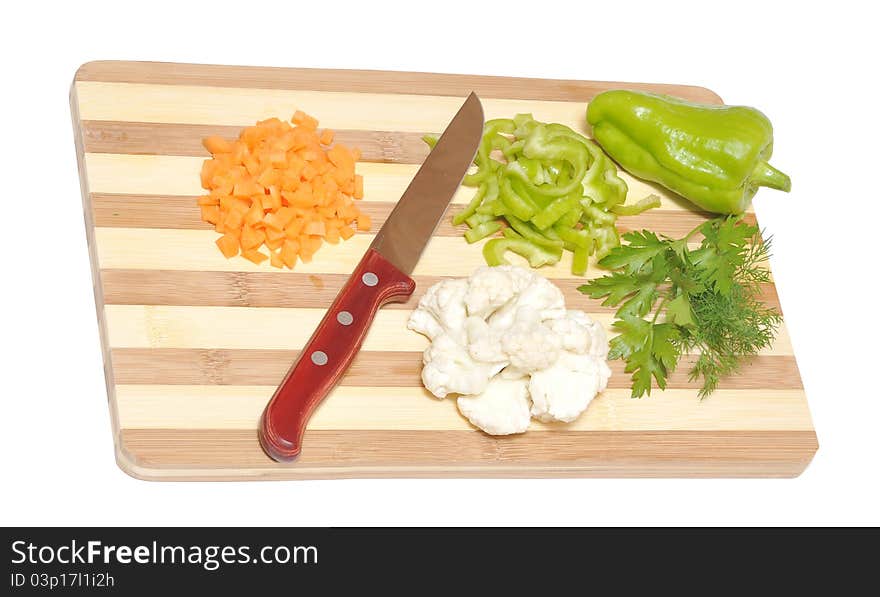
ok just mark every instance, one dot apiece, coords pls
pixel 481 231
pixel 579 261
pixel 634 209
pixel 532 234
pixel 516 204
pixel 494 250
pixel 557 208
pixel 477 219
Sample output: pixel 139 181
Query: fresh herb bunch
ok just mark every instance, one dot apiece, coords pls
pixel 675 300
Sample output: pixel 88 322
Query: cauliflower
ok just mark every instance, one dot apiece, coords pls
pixel 563 391
pixel 503 341
pixel 444 302
pixel 531 345
pixel 502 408
pixel 449 369
pixel 493 287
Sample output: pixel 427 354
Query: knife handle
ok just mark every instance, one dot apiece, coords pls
pixel 329 352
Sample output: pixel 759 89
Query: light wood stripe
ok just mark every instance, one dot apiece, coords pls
pixel 182 212
pixel 370 81
pixel 157 249
pixel 150 326
pixel 413 409
pixel 212 453
pixel 158 138
pixel 179 175
pixel 204 366
pixel 144 102
pixel 282 289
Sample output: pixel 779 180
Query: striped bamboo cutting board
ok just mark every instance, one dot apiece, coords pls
pixel 195 344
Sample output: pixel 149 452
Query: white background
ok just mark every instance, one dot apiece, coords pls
pixel 812 70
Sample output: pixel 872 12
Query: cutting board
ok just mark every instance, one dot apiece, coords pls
pixel 194 345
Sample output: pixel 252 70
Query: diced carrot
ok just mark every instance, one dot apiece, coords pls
pixel 317 228
pixel 210 213
pixel 254 215
pixel 275 259
pixel 346 232
pixel 289 253
pixel 285 216
pixel 255 256
pixel 283 186
pixel 332 235
pixel 228 245
pixel 246 188
pixel 217 144
pixel 252 238
pixel 273 222
pixel 234 220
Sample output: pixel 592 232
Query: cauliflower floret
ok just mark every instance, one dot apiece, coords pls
pixel 449 369
pixel 502 408
pixel 492 287
pixel 445 302
pixel 544 297
pixel 530 345
pixel 425 323
pixel 563 391
pixel 483 344
pixel 573 330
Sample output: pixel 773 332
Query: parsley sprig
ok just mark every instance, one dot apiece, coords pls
pixel 674 300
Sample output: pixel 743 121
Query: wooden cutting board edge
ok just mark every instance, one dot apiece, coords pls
pixel 760 462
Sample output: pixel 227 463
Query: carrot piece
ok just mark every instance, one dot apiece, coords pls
pixel 210 213
pixel 233 220
pixel 254 215
pixel 273 222
pixel 358 186
pixel 275 259
pixel 228 246
pixel 208 200
pixel 332 235
pixel 275 243
pixel 285 216
pixel 269 177
pixel 255 256
pixel 289 253
pixel 363 222
pixel 217 144
pixel 316 228
pixel 326 137
pixel 346 232
pixel 251 238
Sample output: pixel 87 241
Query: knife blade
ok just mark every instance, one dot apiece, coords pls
pixel 382 276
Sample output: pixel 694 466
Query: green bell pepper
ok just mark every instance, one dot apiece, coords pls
pixel 714 156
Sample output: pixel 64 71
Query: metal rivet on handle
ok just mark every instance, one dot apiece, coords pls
pixel 344 317
pixel 370 279
pixel 319 357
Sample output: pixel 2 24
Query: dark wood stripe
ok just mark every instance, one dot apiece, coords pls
pixel 369 81
pixel 280 289
pixel 577 453
pixel 182 212
pixel 146 138
pixel 183 366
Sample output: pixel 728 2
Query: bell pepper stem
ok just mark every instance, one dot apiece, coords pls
pixel 766 175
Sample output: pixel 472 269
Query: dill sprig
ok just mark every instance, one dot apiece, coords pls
pixel 674 300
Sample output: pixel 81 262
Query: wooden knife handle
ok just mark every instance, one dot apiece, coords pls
pixel 329 352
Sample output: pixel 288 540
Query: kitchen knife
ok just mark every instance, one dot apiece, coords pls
pixel 382 276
